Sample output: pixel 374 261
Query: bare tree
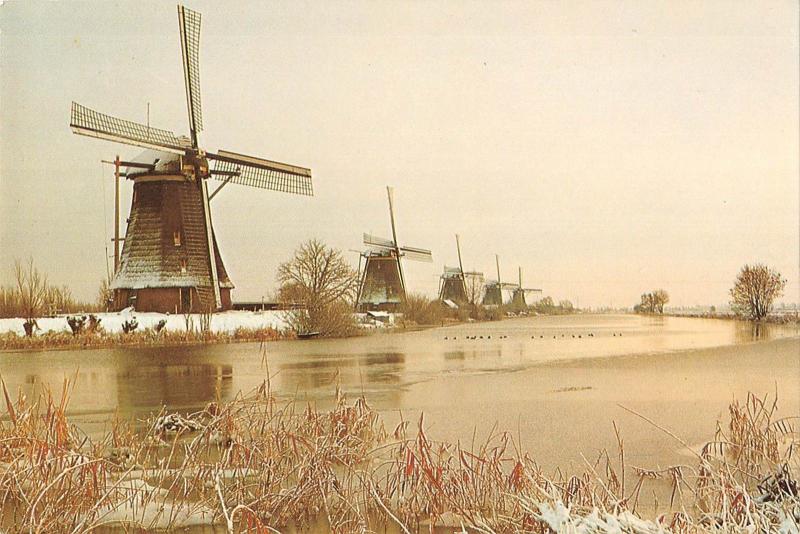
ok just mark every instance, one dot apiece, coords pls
pixel 58 300
pixel 32 288
pixel 319 279
pixel 474 285
pixel 755 290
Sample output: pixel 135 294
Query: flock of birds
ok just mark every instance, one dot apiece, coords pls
pixel 541 336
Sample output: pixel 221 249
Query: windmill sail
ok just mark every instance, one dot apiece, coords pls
pixel 261 173
pixel 86 121
pixel 189 22
pixel 417 254
pixel 381 244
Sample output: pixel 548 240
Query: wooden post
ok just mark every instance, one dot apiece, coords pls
pixel 116 214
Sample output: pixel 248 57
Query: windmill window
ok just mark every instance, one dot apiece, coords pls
pixel 176 237
pixel 183 266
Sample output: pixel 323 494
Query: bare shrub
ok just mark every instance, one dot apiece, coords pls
pixel 494 313
pixel 421 310
pixel 94 324
pixel 76 324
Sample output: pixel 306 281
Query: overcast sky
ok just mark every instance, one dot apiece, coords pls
pixel 606 147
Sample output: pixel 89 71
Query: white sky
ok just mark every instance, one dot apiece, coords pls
pixel 607 147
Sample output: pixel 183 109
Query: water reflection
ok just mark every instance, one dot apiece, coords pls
pixel 747 332
pixel 323 372
pixel 174 385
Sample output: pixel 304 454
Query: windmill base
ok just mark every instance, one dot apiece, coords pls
pixel 166 300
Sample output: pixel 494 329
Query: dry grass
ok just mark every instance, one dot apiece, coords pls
pixel 144 338
pixel 257 465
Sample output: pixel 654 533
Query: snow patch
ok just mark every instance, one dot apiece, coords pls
pixel 221 322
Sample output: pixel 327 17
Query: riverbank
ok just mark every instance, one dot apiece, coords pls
pixel 260 463
pixel 143 330
pixel 776 318
pixel 166 330
pixel 12 342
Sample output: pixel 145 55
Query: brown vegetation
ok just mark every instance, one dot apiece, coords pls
pixel 95 339
pixel 420 310
pixel 546 306
pixel 256 465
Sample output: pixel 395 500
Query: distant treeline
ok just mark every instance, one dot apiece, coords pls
pixel 421 310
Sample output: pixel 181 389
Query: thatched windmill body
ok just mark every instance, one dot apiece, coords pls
pixel 170 260
pixel 493 295
pixel 458 286
pixel 518 299
pixel 383 285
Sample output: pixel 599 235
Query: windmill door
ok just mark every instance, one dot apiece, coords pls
pixel 186 299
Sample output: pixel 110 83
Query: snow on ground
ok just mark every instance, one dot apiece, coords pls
pixel 112 322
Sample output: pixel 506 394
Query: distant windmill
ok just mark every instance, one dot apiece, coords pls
pixel 170 260
pixel 494 288
pixel 383 285
pixel 456 285
pixel 518 297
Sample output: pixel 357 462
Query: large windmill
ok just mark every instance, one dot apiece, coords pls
pixel 383 285
pixel 518 297
pixel 170 259
pixel 493 296
pixel 458 286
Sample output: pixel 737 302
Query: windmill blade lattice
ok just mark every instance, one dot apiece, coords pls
pixel 86 121
pixel 261 173
pixel 417 254
pixel 380 243
pixel 189 22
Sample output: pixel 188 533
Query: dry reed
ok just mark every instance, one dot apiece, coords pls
pixel 256 465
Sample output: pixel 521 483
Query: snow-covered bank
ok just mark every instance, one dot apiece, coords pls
pixel 223 322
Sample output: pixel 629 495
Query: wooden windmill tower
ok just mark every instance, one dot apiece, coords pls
pixel 518 297
pixel 383 285
pixel 170 259
pixel 456 285
pixel 494 289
